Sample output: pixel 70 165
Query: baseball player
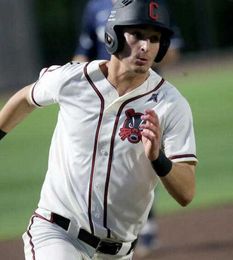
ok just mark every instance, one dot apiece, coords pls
pixel 120 129
pixel 91 46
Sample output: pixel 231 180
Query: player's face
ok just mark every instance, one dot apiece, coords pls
pixel 141 47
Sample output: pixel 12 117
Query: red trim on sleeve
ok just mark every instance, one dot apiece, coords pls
pixel 180 156
pixel 32 96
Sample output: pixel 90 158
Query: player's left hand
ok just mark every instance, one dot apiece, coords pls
pixel 151 134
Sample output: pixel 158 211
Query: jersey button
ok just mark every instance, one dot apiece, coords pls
pixel 104 152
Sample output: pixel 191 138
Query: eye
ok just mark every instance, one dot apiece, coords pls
pixel 137 35
pixel 154 39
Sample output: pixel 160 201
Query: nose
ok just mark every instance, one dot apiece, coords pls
pixel 145 45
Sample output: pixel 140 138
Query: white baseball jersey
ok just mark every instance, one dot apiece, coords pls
pixel 97 171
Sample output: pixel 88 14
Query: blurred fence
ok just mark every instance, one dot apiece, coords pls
pixel 19 57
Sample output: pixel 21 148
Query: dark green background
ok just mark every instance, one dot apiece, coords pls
pixel 204 24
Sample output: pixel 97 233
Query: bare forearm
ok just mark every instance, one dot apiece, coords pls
pixel 15 110
pixel 180 182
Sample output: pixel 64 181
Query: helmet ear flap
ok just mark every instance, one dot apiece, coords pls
pixel 163 48
pixel 114 40
pixel 111 42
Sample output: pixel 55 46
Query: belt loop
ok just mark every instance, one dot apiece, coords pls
pixel 73 229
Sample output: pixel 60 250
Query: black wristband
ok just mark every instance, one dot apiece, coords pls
pixel 2 134
pixel 162 165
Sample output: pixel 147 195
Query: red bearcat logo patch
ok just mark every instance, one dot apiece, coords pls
pixel 131 128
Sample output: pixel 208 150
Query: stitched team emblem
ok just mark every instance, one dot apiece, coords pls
pixel 153 98
pixel 131 127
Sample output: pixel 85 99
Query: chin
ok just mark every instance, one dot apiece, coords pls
pixel 141 69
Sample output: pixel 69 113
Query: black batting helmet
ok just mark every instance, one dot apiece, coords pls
pixel 136 12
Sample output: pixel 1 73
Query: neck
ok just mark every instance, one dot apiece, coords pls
pixel 121 77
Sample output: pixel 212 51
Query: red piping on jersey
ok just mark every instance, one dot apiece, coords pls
pixel 95 145
pixel 112 148
pixel 180 156
pixel 30 241
pixel 32 95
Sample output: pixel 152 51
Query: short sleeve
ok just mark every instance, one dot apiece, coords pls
pixel 46 89
pixel 178 138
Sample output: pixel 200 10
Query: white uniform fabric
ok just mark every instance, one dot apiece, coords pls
pixel 47 241
pixel 98 173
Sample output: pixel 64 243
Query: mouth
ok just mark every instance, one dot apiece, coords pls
pixel 141 61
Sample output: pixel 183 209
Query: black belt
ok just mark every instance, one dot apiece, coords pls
pixel 105 247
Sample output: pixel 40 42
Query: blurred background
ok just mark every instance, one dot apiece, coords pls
pixel 38 33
